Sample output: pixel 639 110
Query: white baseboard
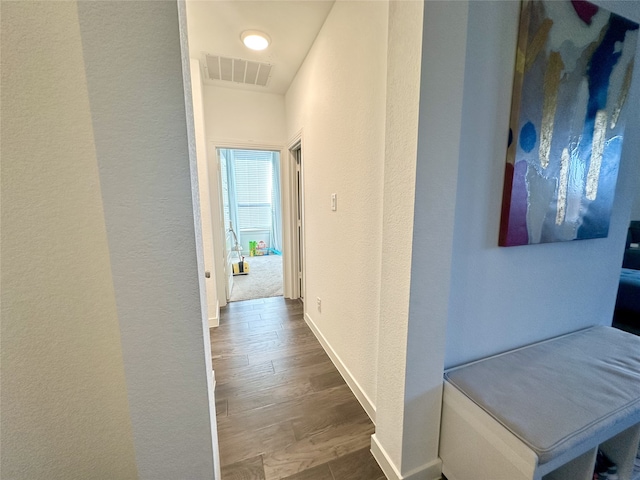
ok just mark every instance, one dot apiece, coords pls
pixel 387 466
pixel 362 397
pixel 430 471
pixel 215 320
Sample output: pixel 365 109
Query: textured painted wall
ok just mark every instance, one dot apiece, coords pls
pixel 204 247
pixel 401 135
pixel 135 83
pixel 204 191
pixel 439 133
pixel 244 116
pixel 502 298
pixel 338 100
pixel 65 413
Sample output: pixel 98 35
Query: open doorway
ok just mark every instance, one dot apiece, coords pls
pixel 252 213
pixel 626 315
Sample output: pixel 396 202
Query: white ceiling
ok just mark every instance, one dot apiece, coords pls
pixel 215 26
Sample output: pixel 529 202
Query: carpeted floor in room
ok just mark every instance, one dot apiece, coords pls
pixel 263 280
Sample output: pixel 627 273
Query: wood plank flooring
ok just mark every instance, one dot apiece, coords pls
pixel 283 410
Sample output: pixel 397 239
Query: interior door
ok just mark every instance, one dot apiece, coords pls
pixel 228 243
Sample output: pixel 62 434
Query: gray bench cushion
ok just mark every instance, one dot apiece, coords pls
pixel 559 393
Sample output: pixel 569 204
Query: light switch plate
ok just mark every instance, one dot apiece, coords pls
pixel 334 201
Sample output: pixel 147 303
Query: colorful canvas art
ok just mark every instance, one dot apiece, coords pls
pixel 573 73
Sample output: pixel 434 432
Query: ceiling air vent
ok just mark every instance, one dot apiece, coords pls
pixel 237 70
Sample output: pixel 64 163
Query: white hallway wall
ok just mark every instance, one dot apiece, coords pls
pixel 103 341
pixel 244 117
pixel 338 100
pixel 65 412
pixel 213 305
pixel 140 129
pixel 401 144
pixel 408 418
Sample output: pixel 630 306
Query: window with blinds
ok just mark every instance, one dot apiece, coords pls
pixel 254 188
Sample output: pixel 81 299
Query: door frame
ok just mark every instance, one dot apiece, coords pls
pixel 226 233
pixel 286 199
pixel 293 288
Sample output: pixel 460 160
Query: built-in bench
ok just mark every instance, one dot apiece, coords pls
pixel 542 411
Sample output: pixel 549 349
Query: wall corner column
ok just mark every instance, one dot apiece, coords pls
pixel 424 117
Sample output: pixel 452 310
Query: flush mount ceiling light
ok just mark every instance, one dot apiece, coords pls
pixel 255 40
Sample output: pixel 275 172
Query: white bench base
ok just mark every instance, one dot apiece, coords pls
pixel 474 446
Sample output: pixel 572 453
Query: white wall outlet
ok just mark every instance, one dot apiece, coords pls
pixel 319 304
pixel 334 201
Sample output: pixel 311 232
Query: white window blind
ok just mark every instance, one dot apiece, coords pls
pixel 254 185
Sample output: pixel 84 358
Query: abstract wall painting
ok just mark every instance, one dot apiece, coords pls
pixel 574 66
